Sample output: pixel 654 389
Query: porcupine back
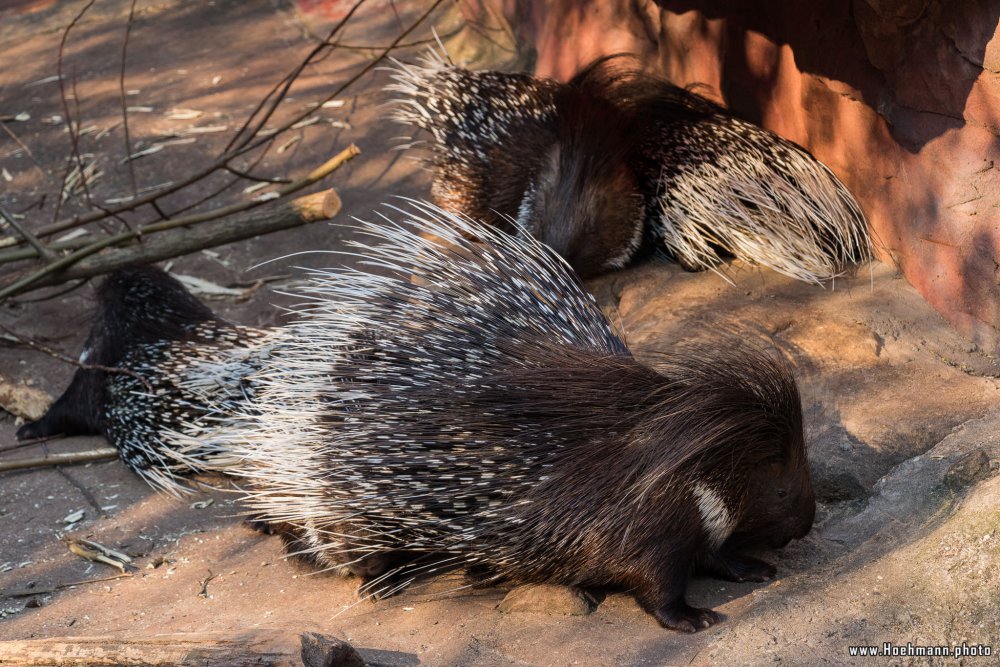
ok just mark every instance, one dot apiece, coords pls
pixel 470 401
pixel 489 133
pixel 184 370
pixel 712 184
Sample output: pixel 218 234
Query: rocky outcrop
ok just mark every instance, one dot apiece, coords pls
pixel 900 98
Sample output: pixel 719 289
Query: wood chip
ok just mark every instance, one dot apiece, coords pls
pixel 155 148
pixel 305 123
pixel 99 553
pixel 23 401
pixel 183 114
pixel 75 516
pixel 76 233
pixel 39 82
pixel 205 129
pixel 205 288
pixel 250 189
pixel 288 144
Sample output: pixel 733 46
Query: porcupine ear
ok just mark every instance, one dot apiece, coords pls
pixel 134 306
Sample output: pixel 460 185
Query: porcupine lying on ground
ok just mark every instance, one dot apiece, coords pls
pixel 617 161
pixel 468 405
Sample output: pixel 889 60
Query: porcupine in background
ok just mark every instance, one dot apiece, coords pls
pixel 184 373
pixel 617 161
pixel 461 403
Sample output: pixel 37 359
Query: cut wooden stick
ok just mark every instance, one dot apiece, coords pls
pixel 67 458
pixel 263 648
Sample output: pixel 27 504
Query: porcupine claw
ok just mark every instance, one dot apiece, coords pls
pixel 684 618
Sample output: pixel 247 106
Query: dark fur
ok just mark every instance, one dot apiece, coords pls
pixel 135 306
pixel 594 460
pixel 563 463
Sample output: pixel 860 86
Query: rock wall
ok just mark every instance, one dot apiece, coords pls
pixel 900 98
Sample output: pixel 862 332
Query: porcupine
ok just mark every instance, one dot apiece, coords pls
pixel 469 404
pixel 617 161
pixel 184 369
pixel 459 403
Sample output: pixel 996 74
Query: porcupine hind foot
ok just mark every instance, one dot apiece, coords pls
pixel 683 617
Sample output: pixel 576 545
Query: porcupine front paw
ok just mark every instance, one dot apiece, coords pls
pixel 684 618
pixel 737 567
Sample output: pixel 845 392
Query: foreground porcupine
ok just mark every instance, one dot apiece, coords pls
pixel 616 161
pixel 453 403
pixel 468 404
pixel 150 326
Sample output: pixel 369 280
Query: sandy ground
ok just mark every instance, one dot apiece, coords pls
pixel 902 414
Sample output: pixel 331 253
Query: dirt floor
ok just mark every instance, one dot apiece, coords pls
pixel 902 414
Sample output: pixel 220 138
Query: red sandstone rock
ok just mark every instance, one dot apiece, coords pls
pixel 901 98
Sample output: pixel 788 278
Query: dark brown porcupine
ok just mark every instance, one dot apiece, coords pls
pixel 469 405
pixel 617 161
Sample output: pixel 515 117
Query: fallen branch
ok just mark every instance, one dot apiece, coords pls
pixel 264 648
pixel 244 141
pixel 56 272
pixel 44 590
pixel 282 215
pixel 68 458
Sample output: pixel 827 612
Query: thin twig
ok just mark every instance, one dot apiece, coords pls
pixel 251 177
pixel 74 139
pixel 43 590
pixel 121 97
pixel 204 584
pixel 34 344
pixel 67 458
pixel 351 81
pixel 83 491
pixel 43 252
pixel 280 89
pixel 74 133
pixel 31 442
pixel 55 295
pixel 23 147
pixel 211 195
